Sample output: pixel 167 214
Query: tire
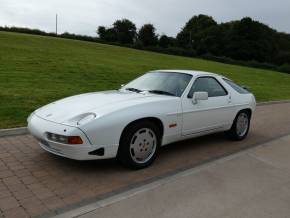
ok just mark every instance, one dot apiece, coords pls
pixel 240 127
pixel 139 145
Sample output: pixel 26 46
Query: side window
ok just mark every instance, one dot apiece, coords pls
pixel 236 87
pixel 209 85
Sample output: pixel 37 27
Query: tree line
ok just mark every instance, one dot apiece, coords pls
pixel 244 42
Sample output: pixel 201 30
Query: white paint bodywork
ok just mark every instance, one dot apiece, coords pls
pixel 117 109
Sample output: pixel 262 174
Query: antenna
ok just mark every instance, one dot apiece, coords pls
pixel 56 24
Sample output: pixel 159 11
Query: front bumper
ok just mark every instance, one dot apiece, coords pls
pixel 38 127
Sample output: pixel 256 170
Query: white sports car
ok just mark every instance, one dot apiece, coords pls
pixel 131 123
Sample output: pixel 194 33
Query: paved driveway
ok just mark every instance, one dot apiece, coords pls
pixel 254 184
pixel 34 182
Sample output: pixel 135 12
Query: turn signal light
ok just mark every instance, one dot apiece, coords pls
pixel 74 140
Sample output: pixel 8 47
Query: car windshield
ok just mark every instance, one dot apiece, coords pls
pixel 161 83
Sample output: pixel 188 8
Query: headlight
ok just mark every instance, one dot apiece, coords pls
pixel 87 118
pixel 72 140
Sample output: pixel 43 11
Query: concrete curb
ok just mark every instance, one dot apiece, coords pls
pixel 23 130
pixel 14 131
pixel 273 102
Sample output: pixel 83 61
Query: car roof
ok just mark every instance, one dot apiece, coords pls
pixel 190 72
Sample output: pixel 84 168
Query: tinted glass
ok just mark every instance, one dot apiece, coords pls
pixel 236 87
pixel 174 83
pixel 209 85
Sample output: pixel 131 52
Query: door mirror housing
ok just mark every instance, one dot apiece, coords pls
pixel 199 96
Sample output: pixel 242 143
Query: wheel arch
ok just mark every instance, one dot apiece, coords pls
pixel 154 120
pixel 249 110
pixel 231 133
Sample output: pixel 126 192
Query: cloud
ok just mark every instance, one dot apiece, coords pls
pixel 168 16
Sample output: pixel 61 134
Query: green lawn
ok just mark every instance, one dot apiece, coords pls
pixel 36 70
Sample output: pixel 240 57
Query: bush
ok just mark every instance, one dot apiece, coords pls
pixel 26 30
pixel 284 68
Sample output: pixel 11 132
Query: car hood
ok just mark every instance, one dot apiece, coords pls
pixel 69 109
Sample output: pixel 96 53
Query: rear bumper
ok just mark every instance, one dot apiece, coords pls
pixel 38 127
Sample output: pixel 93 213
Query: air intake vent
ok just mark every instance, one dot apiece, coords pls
pixel 98 152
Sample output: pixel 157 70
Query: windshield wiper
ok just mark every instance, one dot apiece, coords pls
pixel 134 90
pixel 160 92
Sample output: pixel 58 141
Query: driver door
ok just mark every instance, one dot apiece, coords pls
pixel 207 115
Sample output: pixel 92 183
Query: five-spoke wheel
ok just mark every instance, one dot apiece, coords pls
pixel 139 144
pixel 143 145
pixel 241 126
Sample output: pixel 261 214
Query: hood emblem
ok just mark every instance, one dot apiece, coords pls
pixel 48 115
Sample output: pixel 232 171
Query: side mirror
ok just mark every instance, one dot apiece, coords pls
pixel 199 96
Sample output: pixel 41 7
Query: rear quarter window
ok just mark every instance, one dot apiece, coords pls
pixel 236 87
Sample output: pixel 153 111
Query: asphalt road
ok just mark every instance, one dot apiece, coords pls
pixel 34 182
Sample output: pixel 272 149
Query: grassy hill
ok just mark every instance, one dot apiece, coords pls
pixel 35 70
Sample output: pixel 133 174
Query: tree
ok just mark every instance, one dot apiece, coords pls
pixel 250 40
pixel 102 32
pixel 125 31
pixel 191 34
pixel 147 35
pixel 107 34
pixel 164 41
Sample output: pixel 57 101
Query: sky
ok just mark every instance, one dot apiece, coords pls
pixel 168 16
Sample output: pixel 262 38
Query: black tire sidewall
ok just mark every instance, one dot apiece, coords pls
pixel 124 155
pixel 233 131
